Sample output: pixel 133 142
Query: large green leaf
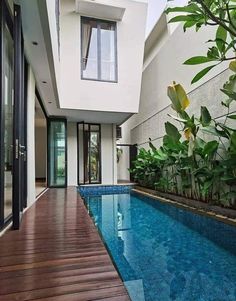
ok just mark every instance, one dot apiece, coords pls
pixel 230 93
pixel 160 155
pixel 201 74
pixel 213 131
pixel 233 143
pixel 205 118
pixel 231 116
pixel 188 24
pixel 184 115
pixel 210 148
pixel 196 60
pixel 184 18
pixel 151 145
pixel 227 102
pixel 199 143
pixel 206 186
pixel 191 8
pixel 221 36
pixel 172 131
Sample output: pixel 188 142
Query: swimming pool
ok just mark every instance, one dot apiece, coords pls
pixel 164 253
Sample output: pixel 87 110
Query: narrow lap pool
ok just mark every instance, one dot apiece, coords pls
pixel 164 253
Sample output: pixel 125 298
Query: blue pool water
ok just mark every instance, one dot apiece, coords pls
pixel 164 253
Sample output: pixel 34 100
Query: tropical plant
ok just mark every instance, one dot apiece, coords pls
pixel 219 13
pixel 187 165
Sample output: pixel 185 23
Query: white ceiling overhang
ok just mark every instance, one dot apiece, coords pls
pixel 98 9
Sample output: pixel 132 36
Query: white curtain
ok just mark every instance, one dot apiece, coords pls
pixel 86 34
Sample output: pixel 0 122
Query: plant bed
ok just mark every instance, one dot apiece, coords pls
pixel 223 214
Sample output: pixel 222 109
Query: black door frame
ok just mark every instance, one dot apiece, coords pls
pixel 25 131
pixel 19 120
pixel 5 18
pixel 78 153
pixel 49 120
pixel 19 149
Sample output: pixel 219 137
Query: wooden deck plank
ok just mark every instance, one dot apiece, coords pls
pixel 57 255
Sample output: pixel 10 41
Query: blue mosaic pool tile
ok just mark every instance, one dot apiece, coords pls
pixel 164 253
pixel 104 189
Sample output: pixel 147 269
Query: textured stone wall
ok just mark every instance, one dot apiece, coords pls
pixel 208 94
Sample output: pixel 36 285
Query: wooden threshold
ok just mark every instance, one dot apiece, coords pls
pixel 57 255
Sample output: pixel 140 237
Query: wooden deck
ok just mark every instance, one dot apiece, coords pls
pixel 57 255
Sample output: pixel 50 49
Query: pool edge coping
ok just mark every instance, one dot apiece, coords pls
pixel 210 214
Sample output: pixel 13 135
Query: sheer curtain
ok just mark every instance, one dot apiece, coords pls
pixel 86 34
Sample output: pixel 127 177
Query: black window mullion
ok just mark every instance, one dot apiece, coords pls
pixel 99 51
pixel 2 114
pixel 89 152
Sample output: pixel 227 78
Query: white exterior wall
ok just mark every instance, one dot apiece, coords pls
pixel 30 138
pixel 102 96
pixel 72 153
pixel 166 67
pixel 51 10
pixel 108 152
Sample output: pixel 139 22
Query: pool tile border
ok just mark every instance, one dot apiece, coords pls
pixel 104 189
pixel 210 214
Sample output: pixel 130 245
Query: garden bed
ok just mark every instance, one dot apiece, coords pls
pixel 222 214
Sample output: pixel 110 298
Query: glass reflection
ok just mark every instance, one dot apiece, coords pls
pixel 98 49
pixel 57 146
pixel 112 215
pixel 164 253
pixel 89 49
pixel 8 121
pixel 108 52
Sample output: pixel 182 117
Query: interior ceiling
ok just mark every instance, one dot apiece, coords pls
pixel 39 59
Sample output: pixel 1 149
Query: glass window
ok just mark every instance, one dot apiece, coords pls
pixel 98 50
pixel 8 120
pixel 94 154
pixel 89 153
pixel 57 153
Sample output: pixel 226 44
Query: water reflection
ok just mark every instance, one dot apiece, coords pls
pixel 166 254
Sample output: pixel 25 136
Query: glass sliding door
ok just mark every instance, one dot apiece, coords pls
pixel 12 116
pixel 57 153
pixel 6 113
pixel 89 153
pixel 19 147
pixel 94 154
pixel 8 80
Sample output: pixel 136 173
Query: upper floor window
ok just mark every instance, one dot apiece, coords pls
pixel 98 50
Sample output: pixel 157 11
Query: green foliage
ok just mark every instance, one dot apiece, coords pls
pixel 219 13
pixel 187 165
pixel 202 73
pixel 205 118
